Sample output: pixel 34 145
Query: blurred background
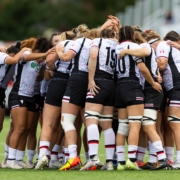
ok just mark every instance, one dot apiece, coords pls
pixel 20 19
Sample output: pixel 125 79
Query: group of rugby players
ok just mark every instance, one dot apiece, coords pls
pixel 113 79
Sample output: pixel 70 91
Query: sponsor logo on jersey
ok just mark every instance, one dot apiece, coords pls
pixel 35 66
pixel 162 51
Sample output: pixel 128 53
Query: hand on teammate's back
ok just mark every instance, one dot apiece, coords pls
pixel 59 48
pixel 3 49
pixel 51 51
pixel 173 44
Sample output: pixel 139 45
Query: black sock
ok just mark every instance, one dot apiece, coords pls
pixel 132 159
pixel 122 162
pixel 92 156
pixel 108 160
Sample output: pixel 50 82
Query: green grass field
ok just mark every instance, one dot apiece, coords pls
pixel 9 174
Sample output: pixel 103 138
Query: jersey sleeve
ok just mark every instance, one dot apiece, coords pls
pixel 147 46
pixel 162 50
pixel 25 53
pixel 3 57
pixel 75 47
pixel 95 43
pixel 136 59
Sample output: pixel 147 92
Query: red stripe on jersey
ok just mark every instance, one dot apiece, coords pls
pixel 73 51
pixel 162 56
pixel 5 60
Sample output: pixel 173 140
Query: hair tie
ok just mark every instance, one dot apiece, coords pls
pixel 147 31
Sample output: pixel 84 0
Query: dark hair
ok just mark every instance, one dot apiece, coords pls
pixel 126 33
pixel 54 34
pixel 42 44
pixel 107 33
pixel 172 35
pixel 14 49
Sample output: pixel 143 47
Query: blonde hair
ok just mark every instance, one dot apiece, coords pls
pixel 93 33
pixel 67 35
pixel 151 34
pixel 138 38
pixel 137 28
pixel 82 31
pixel 28 43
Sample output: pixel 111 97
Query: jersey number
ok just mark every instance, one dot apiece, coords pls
pixel 113 57
pixel 122 69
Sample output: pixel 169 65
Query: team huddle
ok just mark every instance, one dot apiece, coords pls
pixel 116 80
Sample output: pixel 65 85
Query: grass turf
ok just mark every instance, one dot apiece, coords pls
pixel 9 174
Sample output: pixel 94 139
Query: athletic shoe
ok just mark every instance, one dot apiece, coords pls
pixel 55 164
pixel 24 165
pixel 176 165
pixel 90 169
pixel 72 162
pixel 148 166
pixel 41 162
pixel 121 167
pixel 108 166
pixel 132 165
pixel 161 164
pixel 140 164
pixel 92 162
pixel 61 160
pixel 4 163
pixel 30 165
pixel 170 162
pixel 13 164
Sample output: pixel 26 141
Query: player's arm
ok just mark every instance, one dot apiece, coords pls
pixel 162 63
pixel 173 44
pixel 16 58
pixel 162 54
pixel 50 61
pixel 67 56
pixel 33 56
pixel 143 52
pixel 3 49
pixel 92 68
pixel 146 74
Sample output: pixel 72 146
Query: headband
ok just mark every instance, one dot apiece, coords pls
pixel 153 41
